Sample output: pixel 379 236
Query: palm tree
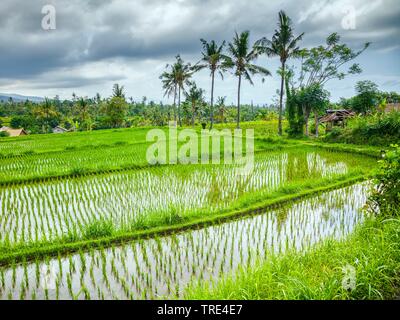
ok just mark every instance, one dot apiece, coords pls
pixel 214 60
pixel 169 86
pixel 45 112
pixel 240 58
pixel 118 91
pixel 284 45
pixel 182 73
pixel 83 109
pixel 221 108
pixel 194 96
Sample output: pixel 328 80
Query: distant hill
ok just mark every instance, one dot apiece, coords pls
pixel 19 98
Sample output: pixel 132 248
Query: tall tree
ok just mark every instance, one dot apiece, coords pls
pixel 367 96
pixel 170 85
pixel 118 91
pixel 182 73
pixel 45 113
pixel 240 58
pixel 221 108
pixel 283 44
pixel 213 58
pixel 84 115
pixel 175 80
pixel 116 108
pixel 194 96
pixel 324 63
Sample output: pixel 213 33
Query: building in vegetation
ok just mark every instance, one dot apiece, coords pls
pixel 14 132
pixel 392 107
pixel 335 118
pixel 59 129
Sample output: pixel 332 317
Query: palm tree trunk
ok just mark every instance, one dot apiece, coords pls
pixel 175 104
pixel 281 100
pixel 179 106
pixel 306 118
pixel 238 102
pixel 193 113
pixel 212 101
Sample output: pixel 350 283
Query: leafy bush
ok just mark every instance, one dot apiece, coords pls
pixel 385 198
pixel 375 129
pixel 3 134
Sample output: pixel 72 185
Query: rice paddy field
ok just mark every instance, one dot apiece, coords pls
pixel 84 216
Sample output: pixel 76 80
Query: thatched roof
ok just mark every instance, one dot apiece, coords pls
pixel 336 115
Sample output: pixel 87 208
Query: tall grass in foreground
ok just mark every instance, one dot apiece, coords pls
pixel 373 250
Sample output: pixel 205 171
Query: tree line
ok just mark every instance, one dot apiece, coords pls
pixel 302 90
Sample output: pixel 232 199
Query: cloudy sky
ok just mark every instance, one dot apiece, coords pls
pixel 97 43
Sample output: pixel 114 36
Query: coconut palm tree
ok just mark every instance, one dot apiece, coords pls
pixel 182 73
pixel 221 108
pixel 284 45
pixel 118 91
pixel 176 80
pixel 213 58
pixel 170 87
pixel 240 57
pixel 44 113
pixel 194 96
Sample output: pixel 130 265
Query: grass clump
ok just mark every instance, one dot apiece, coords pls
pixel 99 229
pixel 372 251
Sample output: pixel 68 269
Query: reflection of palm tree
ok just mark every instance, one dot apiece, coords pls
pixel 214 60
pixel 240 58
pixel 284 45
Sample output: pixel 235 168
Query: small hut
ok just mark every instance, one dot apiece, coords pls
pixel 14 132
pixel 59 129
pixel 335 118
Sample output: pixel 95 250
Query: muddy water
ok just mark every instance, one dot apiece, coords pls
pixel 163 267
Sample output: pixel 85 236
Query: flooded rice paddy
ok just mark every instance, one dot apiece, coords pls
pixel 164 267
pixel 65 207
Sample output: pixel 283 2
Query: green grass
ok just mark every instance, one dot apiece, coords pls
pixel 373 250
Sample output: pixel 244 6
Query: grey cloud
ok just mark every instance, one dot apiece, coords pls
pixel 99 30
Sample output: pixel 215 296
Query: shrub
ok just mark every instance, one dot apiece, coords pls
pixel 375 129
pixel 385 197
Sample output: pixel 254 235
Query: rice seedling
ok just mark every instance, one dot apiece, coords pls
pixel 165 266
pixel 104 205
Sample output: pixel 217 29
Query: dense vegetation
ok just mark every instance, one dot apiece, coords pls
pixel 379 129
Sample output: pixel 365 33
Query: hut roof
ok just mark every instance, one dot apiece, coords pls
pixel 14 132
pixel 336 115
